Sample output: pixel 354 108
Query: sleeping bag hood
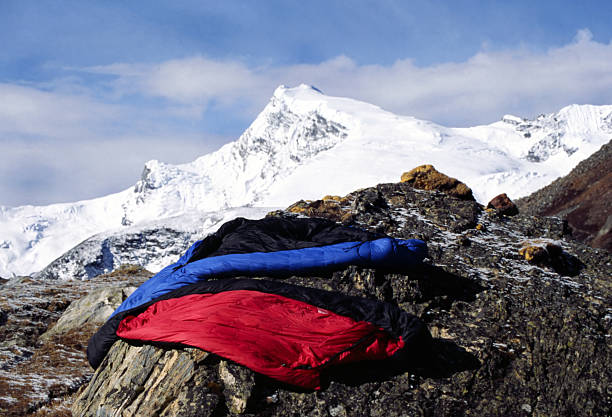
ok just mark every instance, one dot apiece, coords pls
pixel 284 331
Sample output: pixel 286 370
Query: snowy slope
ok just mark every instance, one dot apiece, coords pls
pixel 31 237
pixel 305 145
pixel 515 156
pixel 151 245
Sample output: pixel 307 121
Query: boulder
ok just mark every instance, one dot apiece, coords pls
pixel 328 208
pixel 503 206
pixel 548 253
pixel 93 309
pixel 147 381
pixel 426 177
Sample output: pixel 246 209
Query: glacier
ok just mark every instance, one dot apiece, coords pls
pixel 303 145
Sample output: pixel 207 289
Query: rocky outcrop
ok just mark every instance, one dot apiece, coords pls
pixel 512 337
pixel 150 381
pixel 426 177
pixel 44 329
pixel 582 198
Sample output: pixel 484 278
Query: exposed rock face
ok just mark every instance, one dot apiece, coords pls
pixel 582 198
pixel 41 364
pixel 151 381
pixel 503 206
pixel 93 309
pixel 511 337
pixel 152 246
pixel 101 254
pixel 426 177
pixel 238 383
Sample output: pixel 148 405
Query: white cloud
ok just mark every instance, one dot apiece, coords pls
pixel 583 35
pixel 132 112
pixel 478 90
pixel 199 79
pixel 31 111
pixel 45 170
pixel 58 146
pixel 482 88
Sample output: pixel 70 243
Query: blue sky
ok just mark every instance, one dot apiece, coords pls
pixel 91 90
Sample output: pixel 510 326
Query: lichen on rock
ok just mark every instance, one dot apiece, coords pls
pixel 146 381
pixel 426 177
pixel 511 337
pixel 44 329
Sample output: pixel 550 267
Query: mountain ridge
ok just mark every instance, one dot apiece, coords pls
pixel 305 145
pixel 581 198
pixel 499 320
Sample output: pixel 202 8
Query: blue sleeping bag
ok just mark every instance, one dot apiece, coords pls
pixel 384 252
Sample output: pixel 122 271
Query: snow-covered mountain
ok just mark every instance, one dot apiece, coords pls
pixel 151 245
pixel 303 145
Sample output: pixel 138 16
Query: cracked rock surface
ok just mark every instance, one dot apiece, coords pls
pixel 512 336
pixel 44 329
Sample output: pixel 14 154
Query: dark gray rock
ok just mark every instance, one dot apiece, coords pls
pixel 511 337
pixel 103 253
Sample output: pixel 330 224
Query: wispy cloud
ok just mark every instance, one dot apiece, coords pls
pixel 64 144
pixel 32 111
pixel 176 103
pixel 43 170
pixel 478 90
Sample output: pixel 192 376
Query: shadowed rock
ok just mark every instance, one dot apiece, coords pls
pixel 511 337
pixel 503 206
pixel 582 198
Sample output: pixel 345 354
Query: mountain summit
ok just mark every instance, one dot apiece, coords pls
pixel 305 144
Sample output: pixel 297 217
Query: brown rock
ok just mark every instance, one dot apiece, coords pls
pixel 426 177
pixel 543 252
pixel 582 198
pixel 332 197
pixel 534 253
pixel 538 249
pixel 333 208
pixel 503 205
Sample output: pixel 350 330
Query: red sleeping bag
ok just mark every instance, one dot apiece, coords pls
pixel 287 332
pixel 283 338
